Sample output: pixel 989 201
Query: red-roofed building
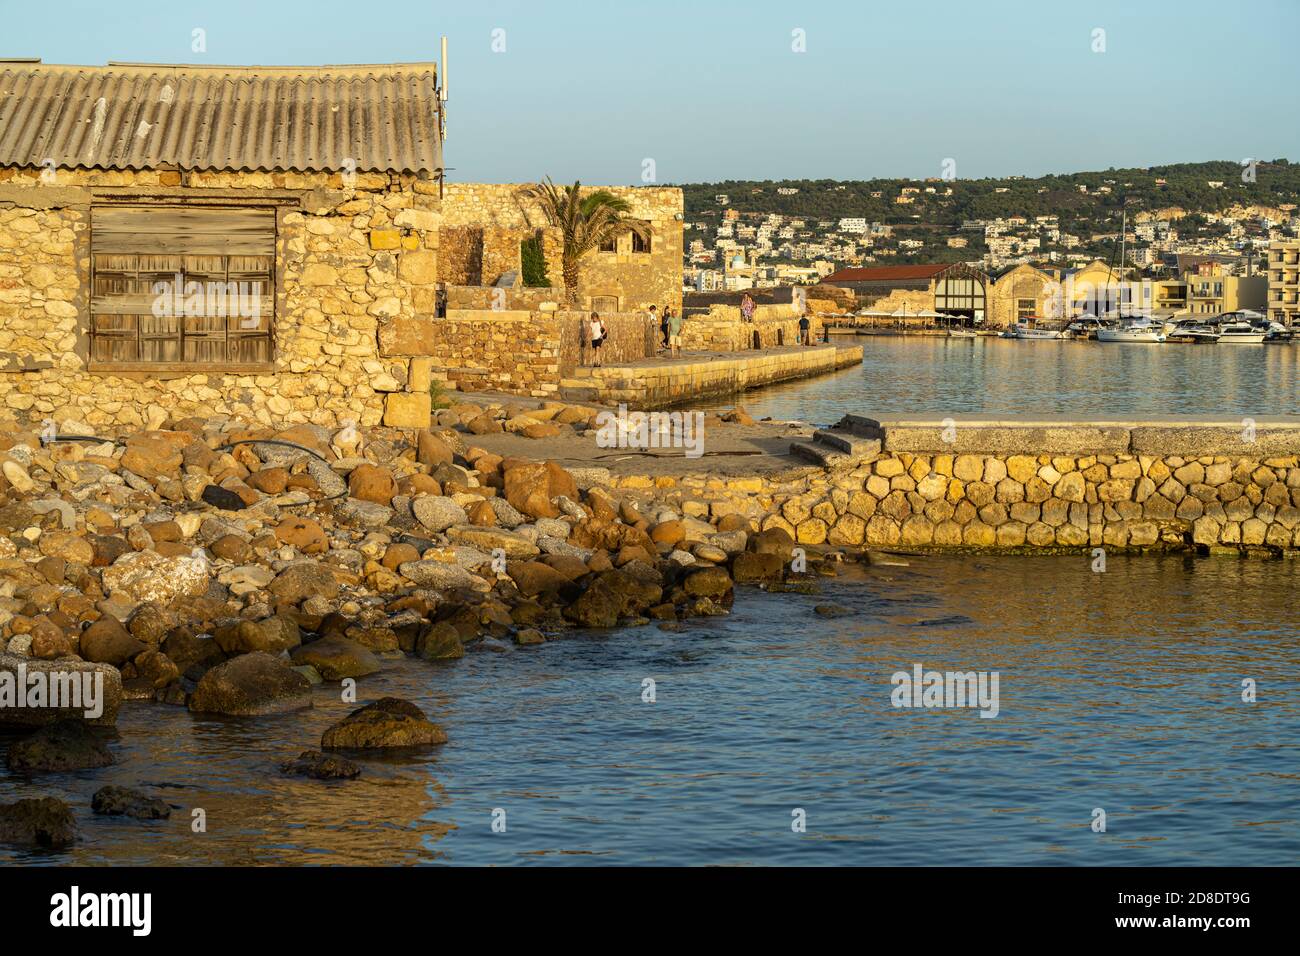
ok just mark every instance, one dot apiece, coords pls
pixel 951 288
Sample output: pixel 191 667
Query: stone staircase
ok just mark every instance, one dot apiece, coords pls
pixel 837 447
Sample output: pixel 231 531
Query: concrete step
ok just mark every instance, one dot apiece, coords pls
pixel 849 443
pixel 818 454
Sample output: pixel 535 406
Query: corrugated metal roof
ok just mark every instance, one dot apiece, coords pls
pixel 269 118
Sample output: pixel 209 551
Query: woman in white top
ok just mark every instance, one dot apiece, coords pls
pixel 598 333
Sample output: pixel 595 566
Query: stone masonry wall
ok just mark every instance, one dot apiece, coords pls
pixel 353 258
pixel 1196 487
pixel 636 280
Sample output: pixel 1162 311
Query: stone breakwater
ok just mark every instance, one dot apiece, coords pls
pixel 1024 485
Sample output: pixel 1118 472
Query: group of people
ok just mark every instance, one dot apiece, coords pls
pixel 670 327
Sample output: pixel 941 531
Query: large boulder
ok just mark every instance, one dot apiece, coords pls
pixel 533 577
pixel 106 641
pixel 299 582
pixel 61 746
pixel 757 566
pixel 84 691
pixel 41 821
pixel 532 487
pixel 336 657
pixel 251 685
pixel 612 595
pixel 388 722
pixel 149 576
pixel 272 635
pixel 713 583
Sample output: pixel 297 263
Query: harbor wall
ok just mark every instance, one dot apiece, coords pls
pixel 661 385
pixel 1216 487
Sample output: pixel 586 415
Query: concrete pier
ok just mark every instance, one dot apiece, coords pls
pixel 662 382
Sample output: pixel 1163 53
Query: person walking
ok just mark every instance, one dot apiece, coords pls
pixel 598 333
pixel 663 324
pixel 674 333
pixel 805 335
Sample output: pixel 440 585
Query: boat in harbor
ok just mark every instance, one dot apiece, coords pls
pixel 1133 329
pixel 1085 327
pixel 961 334
pixel 1191 330
pixel 1029 328
pixel 1240 333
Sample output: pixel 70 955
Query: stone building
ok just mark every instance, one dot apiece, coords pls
pixel 953 289
pixel 271 243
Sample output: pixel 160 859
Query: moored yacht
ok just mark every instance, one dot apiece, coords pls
pixel 1190 330
pixel 1133 329
pixel 1240 333
pixel 1028 328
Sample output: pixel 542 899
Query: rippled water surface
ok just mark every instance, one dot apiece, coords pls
pixel 903 375
pixel 1118 690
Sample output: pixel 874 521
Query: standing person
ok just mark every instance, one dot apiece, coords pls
pixel 674 332
pixel 663 324
pixel 747 308
pixel 805 335
pixel 598 333
pixel 440 301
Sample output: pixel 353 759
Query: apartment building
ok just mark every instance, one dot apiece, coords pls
pixel 1284 282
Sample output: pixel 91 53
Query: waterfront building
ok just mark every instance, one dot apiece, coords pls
pixel 341 272
pixel 1284 282
pixel 949 288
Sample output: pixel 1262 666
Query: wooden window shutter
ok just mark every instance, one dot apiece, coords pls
pixel 190 286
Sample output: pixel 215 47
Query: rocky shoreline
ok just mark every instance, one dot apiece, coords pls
pixel 228 568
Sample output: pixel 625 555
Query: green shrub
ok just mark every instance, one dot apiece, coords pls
pixel 534 263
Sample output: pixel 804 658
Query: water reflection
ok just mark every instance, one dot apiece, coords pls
pixel 919 375
pixel 1118 690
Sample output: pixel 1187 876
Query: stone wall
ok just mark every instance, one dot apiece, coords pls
pixel 636 280
pixel 358 264
pixel 352 258
pixel 722 329
pixel 1197 486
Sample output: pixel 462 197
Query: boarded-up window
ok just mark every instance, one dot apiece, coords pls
pixel 604 303
pixel 182 285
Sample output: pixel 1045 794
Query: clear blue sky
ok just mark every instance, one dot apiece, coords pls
pixel 711 89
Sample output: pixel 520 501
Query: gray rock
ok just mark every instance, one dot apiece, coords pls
pixel 440 574
pixel 330 483
pixel 438 512
pixel 508 516
pixel 560 546
pixel 365 513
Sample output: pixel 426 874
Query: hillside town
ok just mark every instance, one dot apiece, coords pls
pixel 1212 255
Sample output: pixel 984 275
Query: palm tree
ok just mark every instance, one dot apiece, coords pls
pixel 585 222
